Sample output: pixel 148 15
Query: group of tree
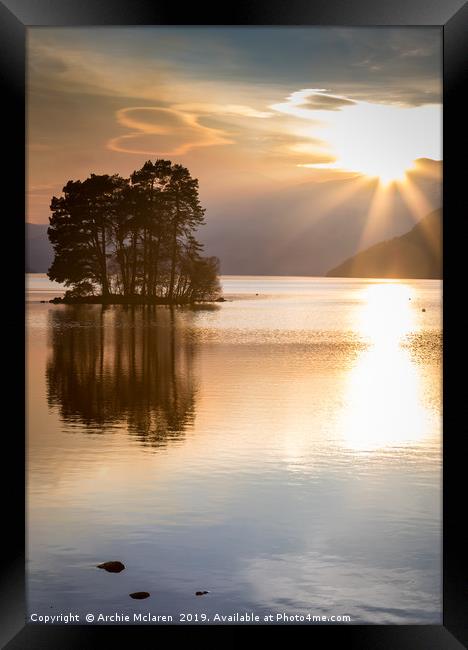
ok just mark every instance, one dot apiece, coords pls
pixel 132 238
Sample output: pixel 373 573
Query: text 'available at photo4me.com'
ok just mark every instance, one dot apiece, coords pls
pixel 70 618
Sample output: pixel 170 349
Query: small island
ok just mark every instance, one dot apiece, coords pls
pixel 132 240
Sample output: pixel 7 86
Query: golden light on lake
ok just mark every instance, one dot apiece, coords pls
pixel 385 375
pixel 386 316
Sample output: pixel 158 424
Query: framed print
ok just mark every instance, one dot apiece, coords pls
pixel 241 262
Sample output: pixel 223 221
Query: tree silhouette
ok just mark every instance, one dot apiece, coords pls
pixel 132 238
pixel 151 181
pixel 186 214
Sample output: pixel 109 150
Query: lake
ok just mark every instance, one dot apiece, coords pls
pixel 281 450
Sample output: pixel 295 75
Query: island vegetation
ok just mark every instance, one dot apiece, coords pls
pixel 132 240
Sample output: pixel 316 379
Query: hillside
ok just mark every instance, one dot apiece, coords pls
pixel 416 254
pixel 39 253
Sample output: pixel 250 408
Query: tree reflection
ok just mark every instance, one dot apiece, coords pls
pixel 118 365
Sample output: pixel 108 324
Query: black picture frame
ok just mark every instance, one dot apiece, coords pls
pixel 452 18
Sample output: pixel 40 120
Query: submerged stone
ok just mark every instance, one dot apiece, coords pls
pixel 112 567
pixel 139 595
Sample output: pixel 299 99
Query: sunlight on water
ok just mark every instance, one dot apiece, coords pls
pixel 386 315
pixel 385 375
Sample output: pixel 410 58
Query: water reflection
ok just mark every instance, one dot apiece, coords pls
pixel 384 404
pixel 122 366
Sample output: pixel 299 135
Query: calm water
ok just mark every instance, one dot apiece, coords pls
pixel 281 450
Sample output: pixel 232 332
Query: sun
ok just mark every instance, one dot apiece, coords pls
pixel 387 170
pixel 377 141
pixel 380 140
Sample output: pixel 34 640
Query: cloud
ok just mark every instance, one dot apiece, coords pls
pixel 223 109
pixel 44 188
pixel 416 52
pixel 303 103
pixel 379 62
pixel 163 132
pixel 39 146
pixel 177 129
pixel 321 102
pixel 47 63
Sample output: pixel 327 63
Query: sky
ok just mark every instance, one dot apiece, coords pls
pixel 248 110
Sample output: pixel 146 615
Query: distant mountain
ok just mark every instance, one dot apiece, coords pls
pixel 417 254
pixel 39 252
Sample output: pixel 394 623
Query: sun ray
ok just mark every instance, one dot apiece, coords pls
pixel 414 198
pixel 346 192
pixel 380 209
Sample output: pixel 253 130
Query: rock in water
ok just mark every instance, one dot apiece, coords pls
pixel 201 593
pixel 112 567
pixel 139 595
